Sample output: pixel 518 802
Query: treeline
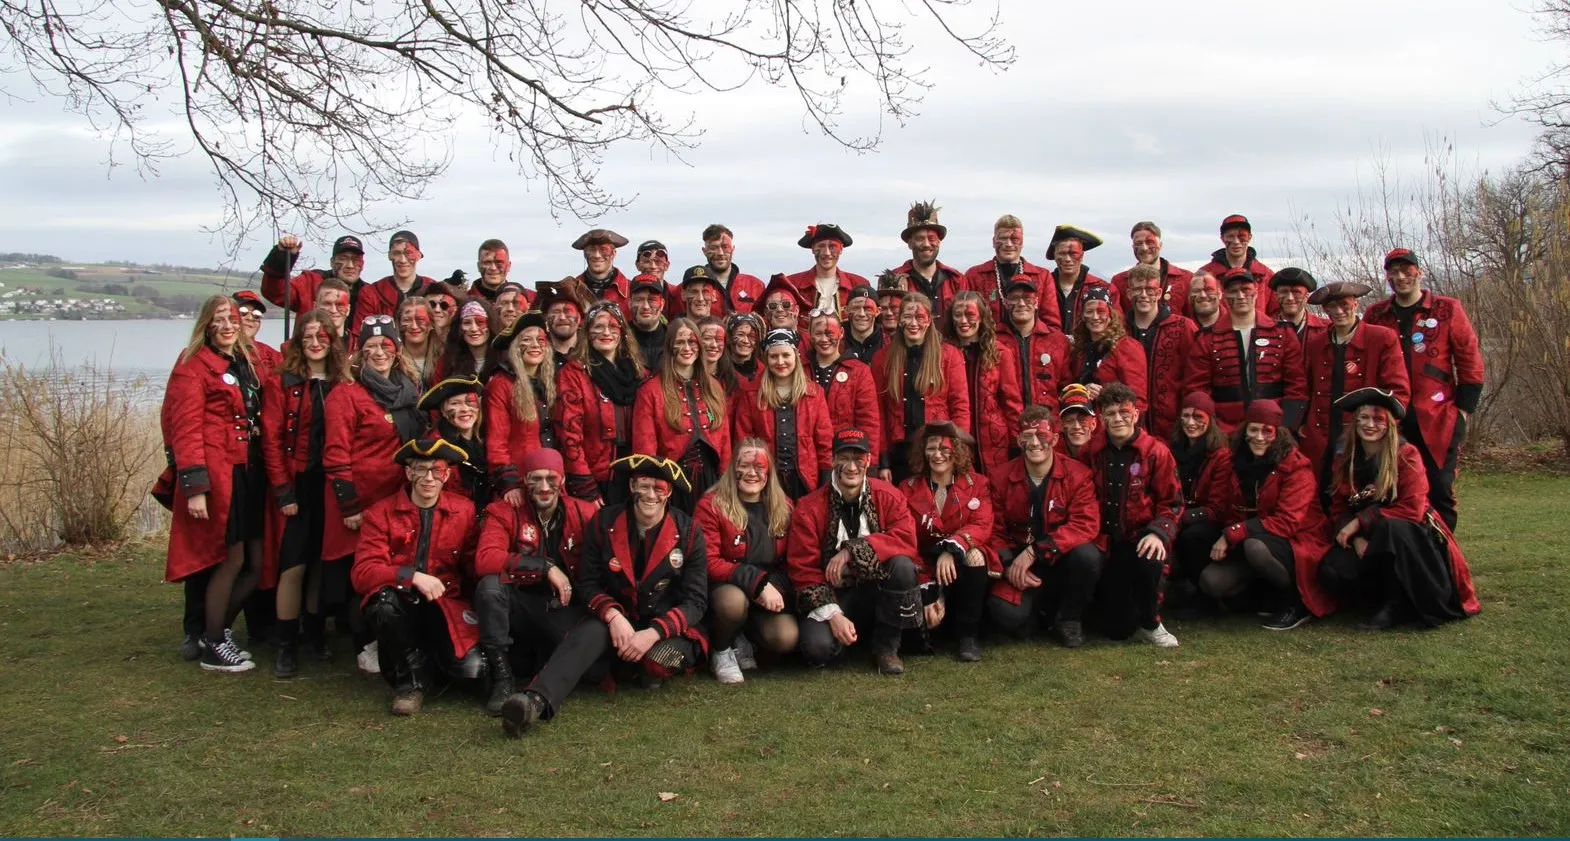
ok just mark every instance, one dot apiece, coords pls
pixel 170 268
pixel 20 257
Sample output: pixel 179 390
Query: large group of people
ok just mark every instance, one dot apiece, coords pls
pixel 610 477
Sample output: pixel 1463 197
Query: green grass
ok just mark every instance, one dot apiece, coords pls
pixel 1321 731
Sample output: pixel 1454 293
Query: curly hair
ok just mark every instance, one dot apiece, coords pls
pixel 916 456
pixel 986 331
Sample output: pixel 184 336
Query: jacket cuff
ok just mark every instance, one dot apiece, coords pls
pixel 348 498
pixel 951 546
pixel 1163 528
pixel 601 605
pixel 284 495
pixel 1047 550
pixel 194 480
pixel 279 262
pixel 1468 396
pixel 749 578
pixel 528 570
pixel 583 486
pixel 814 597
pixel 1235 533
pixel 405 574
pixel 1369 517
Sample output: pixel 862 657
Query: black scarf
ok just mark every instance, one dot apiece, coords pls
pixel 399 396
pixel 616 380
pixel 1190 457
pixel 472 471
pixel 1090 363
pixel 1252 471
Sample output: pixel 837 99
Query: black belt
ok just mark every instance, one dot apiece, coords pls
pixel 1234 393
pixel 1436 372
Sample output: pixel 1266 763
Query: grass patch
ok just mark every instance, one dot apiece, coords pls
pixel 1321 731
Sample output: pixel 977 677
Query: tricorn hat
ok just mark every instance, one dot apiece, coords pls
pixel 822 231
pixel 1339 289
pixel 432 400
pixel 1063 232
pixel 597 236
pixel 1293 276
pixel 639 464
pixel 1371 396
pixel 430 449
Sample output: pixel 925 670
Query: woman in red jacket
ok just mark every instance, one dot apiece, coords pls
pixel 455 405
pixel 744 519
pixel 1103 353
pixel 468 343
pixel 294 432
pixel 1389 541
pixel 992 372
pixel 595 393
pixel 1263 495
pixel 740 367
pixel 847 384
pixel 421 349
pixel 952 505
pixel 213 406
pixel 787 412
pixel 680 415
pixel 1197 444
pixel 518 400
pixel 919 379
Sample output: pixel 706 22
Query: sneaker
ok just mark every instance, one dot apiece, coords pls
pixel 191 648
pixel 1158 636
pixel 408 703
pixel 369 661
pixel 1288 618
pixel 726 669
pixel 224 657
pixel 746 657
pixel 229 638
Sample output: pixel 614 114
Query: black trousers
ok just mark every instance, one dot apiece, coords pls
pixel 965 600
pixel 1440 467
pixel 874 607
pixel 1405 568
pixel 194 618
pixel 411 637
pixel 523 620
pixel 586 649
pixel 1191 550
pixel 1128 594
pixel 1066 590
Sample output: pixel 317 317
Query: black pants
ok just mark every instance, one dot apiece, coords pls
pixel 1191 550
pixel 411 637
pixel 523 620
pixel 1441 472
pixel 1128 595
pixel 587 647
pixel 1066 590
pixel 194 586
pixel 876 609
pixel 965 600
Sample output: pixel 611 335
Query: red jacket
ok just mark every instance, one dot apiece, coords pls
pixel 1265 297
pixel 287 416
pixel 508 438
pixel 1287 506
pixel 1076 297
pixel 389 537
pixel 807 286
pixel 1165 362
pixel 618 292
pixel 1152 500
pixel 381 298
pixel 965 523
pixel 983 278
pixel 852 398
pixel 358 460
pixel 948 279
pixel 268 360
pixel 510 536
pixel 1070 515
pixel 893 536
pixel 1175 283
pixel 1411 504
pixel 673 593
pixel 814 431
pixel 1312 324
pixel 743 293
pixel 587 423
pixel 728 545
pixel 1445 373
pixel 951 403
pixel 298 293
pixel 653 436
pixel 1125 364
pixel 1216 368
pixel 1373 357
pixel 1047 354
pixel 207 436
pixel 996 404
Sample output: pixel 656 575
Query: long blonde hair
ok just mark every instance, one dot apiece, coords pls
pixel 727 492
pixel 929 377
pixel 768 388
pixel 203 328
pixel 1388 477
pixel 524 406
pixel 709 388
pixel 433 343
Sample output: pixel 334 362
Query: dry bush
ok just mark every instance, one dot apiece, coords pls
pixel 77 455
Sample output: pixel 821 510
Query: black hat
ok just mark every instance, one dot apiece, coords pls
pixel 861 292
pixel 1294 276
pixel 379 325
pixel 1232 277
pixel 503 340
pixel 430 449
pixel 1338 289
pixel 653 245
pixel 1370 396
pixel 779 336
pixel 851 439
pixel 923 216
pixel 646 282
pixel 599 235
pixel 404 236
pixel 822 231
pixel 1236 220
pixel 1401 255
pixel 700 274
pixel 250 299
pixel 1098 292
pixel 348 243
pixel 567 290
pixel 639 464
pixel 1063 232
pixel 439 394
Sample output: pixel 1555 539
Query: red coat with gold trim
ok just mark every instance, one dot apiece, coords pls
pixel 672 594
pixel 1216 368
pixel 358 460
pixel 507 437
pixel 950 402
pixel 207 434
pixel 809 525
pixel 814 430
pixel 983 278
pixel 1175 283
pixel 965 523
pixel 1070 513
pixel 852 398
pixel 1125 364
pixel 1048 354
pixel 1152 501
pixel 1373 358
pixel 389 537
pixel 1446 374
pixel 652 435
pixel 728 546
pixel 510 536
pixel 1165 367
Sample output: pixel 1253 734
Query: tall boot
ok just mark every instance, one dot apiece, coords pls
pixel 500 672
pixel 314 628
pixel 897 611
pixel 411 682
pixel 287 665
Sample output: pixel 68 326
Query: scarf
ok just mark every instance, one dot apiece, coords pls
pixel 617 380
pixel 1251 472
pixel 1190 457
pixel 399 396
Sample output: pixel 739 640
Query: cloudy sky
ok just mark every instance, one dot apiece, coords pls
pixel 1177 112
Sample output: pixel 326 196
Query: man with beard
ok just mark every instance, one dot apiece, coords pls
pixel 1247 357
pixel 739 291
pixel 1071 280
pixel 924 235
pixel 1174 282
pixel 1236 253
pixel 850 556
pixel 601 280
pixel 648 317
pixel 526 561
pixel 563 304
pixel 992 278
pixel 1168 339
pixel 1204 299
pixel 494 264
pixel 825 286
pixel 700 296
pixel 1292 287
pixel 298 294
pixel 1042 349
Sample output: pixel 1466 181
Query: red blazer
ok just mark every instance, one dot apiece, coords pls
pixel 389 537
pixel 587 423
pixel 1216 367
pixel 1446 374
pixel 1265 297
pixel 1373 357
pixel 1077 301
pixel 948 278
pixel 673 593
pixel 952 402
pixel 653 436
pixel 1047 354
pixel 965 523
pixel 1164 370
pixel 814 430
pixel 743 293
pixel 619 292
pixel 286 449
pixel 727 544
pixel 508 535
pixel 809 524
pixel 852 399
pixel 1071 515
pixel 983 278
pixel 1312 324
pixel 381 298
pixel 1125 364
pixel 358 460
pixel 207 436
pixel 806 285
pixel 1175 283
pixel 507 438
pixel 996 404
pixel 1411 504
pixel 1153 498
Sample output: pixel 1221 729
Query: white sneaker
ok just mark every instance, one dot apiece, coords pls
pixel 746 658
pixel 1159 637
pixel 229 638
pixel 369 660
pixel 725 668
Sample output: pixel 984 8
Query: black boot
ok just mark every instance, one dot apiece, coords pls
pixel 521 712
pixel 1384 620
pixel 500 671
pixel 314 626
pixel 287 665
pixel 1070 633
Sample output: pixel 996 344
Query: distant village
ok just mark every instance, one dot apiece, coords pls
pixel 42 286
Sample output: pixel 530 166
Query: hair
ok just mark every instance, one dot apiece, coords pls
pixel 524 406
pixel 1115 394
pixel 400 363
pixel 204 326
pixel 1215 438
pixel 768 392
pixel 1201 274
pixel 1144 271
pixel 1279 448
pixel 433 342
pixel 626 346
pixel 727 492
pixel 1114 334
pixel 708 386
pixel 493 245
pixel 917 455
pixel 986 331
pixel 1036 412
pixel 457 360
pixel 716 231
pixel 929 378
pixel 337 361
pixel 1389 456
pixel 1144 226
pixel 331 283
pixel 1007 221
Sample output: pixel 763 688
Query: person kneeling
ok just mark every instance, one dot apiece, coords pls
pixel 409 566
pixel 644 576
pixel 850 555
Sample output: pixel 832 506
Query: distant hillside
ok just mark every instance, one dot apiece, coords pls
pixel 48 287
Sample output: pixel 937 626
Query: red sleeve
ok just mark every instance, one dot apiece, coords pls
pixel 273 420
pixel 1131 369
pixel 957 386
pixel 1166 493
pixel 1046 303
pixel 493 550
pixel 1084 513
pixel 1299 492
pixel 896 533
pixel 999 540
pixel 867 417
pixel 568 416
pixel 1011 401
pixel 977 530
pixel 804 555
pixel 707 518
pixel 1468 360
pixel 822 432
pixel 646 412
pixel 743 411
pixel 337 448
pixel 1197 374
pixel 1213 490
pixel 374 566
pixel 1411 488
pixel 498 431
pixel 275 279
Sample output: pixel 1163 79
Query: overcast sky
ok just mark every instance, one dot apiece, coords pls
pixel 1177 112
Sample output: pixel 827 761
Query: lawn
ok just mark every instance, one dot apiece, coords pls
pixel 1320 731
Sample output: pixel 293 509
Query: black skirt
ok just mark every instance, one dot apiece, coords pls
pixel 247 495
pixel 302 534
pixel 1415 564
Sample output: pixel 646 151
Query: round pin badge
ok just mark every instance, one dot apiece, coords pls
pixel 841 377
pixel 1046 359
pixel 469 618
pixel 615 565
pixel 973 504
pixel 1133 469
pixel 1431 323
pixel 676 559
pixel 387 417
pixel 1418 337
pixel 229 378
pixel 1262 342
pixel 1420 347
pixel 1351 367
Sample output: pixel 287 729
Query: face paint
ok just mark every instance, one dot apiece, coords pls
pixel 753 463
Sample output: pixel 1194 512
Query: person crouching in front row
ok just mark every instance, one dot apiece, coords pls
pixel 644 578
pixel 409 565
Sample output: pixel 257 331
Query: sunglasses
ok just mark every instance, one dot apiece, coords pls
pixel 442 304
pixel 372 320
pixel 779 306
pixel 249 311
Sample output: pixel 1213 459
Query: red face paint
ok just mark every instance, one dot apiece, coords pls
pixel 754 463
